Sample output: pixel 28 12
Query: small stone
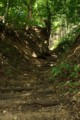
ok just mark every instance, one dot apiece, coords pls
pixel 15 118
pixel 4 111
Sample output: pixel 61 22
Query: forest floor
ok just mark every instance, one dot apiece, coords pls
pixel 32 96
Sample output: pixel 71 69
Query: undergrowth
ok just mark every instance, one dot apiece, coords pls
pixel 67 41
pixel 65 71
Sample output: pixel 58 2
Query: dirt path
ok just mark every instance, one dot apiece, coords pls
pixel 31 96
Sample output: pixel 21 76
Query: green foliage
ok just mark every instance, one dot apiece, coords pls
pixel 64 44
pixel 66 71
pixel 71 84
pixel 17 11
pixel 67 41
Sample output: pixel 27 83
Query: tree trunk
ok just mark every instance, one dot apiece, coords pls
pixel 30 12
pixel 48 28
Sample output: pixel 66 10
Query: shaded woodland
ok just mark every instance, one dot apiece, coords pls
pixel 40 59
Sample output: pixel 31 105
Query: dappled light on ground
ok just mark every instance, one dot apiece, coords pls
pixel 27 90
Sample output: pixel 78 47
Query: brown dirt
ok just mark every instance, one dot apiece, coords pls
pixel 31 96
pixel 26 92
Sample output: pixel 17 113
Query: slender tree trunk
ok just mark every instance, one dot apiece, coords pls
pixel 48 28
pixel 30 11
pixel 48 21
pixel 6 12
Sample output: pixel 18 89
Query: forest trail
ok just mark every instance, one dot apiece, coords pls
pixel 39 60
pixel 32 96
pixel 29 94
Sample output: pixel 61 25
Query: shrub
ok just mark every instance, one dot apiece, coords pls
pixel 64 70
